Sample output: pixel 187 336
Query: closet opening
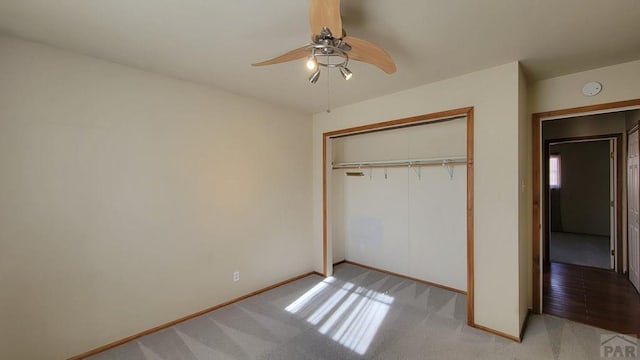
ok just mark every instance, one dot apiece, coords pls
pixel 398 197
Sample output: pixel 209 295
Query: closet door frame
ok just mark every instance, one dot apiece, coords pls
pixel 394 124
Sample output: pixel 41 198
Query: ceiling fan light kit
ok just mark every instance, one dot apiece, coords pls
pixel 312 62
pixel 328 51
pixel 325 48
pixel 314 76
pixel 346 73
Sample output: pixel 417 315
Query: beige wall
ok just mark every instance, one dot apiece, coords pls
pixel 494 93
pixel 619 83
pixel 127 199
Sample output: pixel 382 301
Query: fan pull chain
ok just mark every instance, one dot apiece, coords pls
pixel 328 85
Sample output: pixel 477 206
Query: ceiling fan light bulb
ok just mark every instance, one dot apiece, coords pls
pixel 312 63
pixel 345 72
pixel 314 77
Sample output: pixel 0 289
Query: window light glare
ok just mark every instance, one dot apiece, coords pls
pixel 554 171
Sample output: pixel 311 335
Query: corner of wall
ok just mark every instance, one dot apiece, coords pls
pixel 524 199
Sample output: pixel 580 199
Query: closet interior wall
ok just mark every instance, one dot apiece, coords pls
pixel 409 220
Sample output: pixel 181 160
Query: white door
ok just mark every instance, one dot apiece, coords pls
pixel 612 205
pixel 633 201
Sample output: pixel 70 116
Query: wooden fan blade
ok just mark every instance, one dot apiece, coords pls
pixel 296 54
pixel 362 50
pixel 325 13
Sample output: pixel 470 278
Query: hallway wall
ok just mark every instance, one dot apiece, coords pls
pixel 584 195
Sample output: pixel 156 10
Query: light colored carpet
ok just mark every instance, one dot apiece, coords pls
pixel 580 249
pixel 357 314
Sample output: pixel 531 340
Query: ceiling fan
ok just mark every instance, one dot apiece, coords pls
pixel 330 46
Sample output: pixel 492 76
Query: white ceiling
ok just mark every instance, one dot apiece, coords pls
pixel 214 42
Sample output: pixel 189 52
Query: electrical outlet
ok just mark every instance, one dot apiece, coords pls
pixel 236 276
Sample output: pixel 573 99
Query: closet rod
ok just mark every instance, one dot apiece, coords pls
pixel 400 163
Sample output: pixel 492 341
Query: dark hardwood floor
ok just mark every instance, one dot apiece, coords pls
pixel 591 296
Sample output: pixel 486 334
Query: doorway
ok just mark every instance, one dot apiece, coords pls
pixel 581 175
pixel 602 297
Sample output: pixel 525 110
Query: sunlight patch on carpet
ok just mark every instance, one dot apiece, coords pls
pixel 351 316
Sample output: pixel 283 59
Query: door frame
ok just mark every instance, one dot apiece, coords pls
pixel 394 124
pixel 536 153
pixel 618 266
